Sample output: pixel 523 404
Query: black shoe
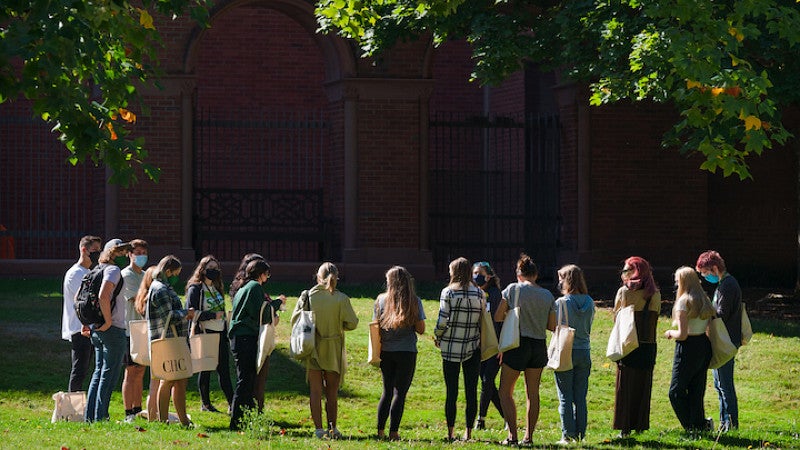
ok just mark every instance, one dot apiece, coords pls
pixel 209 408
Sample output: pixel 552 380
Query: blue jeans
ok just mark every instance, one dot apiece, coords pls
pixel 573 385
pixel 109 348
pixel 728 404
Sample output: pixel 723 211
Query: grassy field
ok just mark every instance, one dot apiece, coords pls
pixel 35 364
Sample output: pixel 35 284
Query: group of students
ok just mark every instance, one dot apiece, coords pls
pixel 473 289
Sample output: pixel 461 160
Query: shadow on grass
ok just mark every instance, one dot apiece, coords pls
pixel 288 376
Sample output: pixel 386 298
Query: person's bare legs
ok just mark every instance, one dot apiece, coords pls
pixel 179 400
pixel 132 387
pixel 533 378
pixel 508 379
pixel 315 396
pixel 152 399
pixel 331 397
pixel 164 393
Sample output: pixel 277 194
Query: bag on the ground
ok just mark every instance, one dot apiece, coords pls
pixel 301 343
pixel 559 353
pixel 623 338
pixel 266 337
pixel 509 334
pixel 722 348
pixel 204 348
pixel 747 327
pixel 70 406
pixel 87 300
pixel 488 336
pixel 170 358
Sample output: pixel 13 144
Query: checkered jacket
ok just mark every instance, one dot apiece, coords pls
pixel 458 326
pixel 161 300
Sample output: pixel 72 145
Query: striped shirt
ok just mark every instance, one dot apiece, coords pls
pixel 458 326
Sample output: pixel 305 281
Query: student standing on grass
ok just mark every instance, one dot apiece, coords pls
pixel 401 317
pixel 162 301
pixel 728 303
pixel 132 381
pixel 635 371
pixel 691 313
pixel 484 277
pixel 333 315
pixel 71 327
pixel 458 336
pixel 536 315
pixel 108 338
pixel 141 305
pixel 573 385
pixel 204 293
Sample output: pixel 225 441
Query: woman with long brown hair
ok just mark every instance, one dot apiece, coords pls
pixel 635 371
pixel 401 317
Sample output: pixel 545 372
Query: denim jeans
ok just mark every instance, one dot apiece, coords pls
pixel 572 386
pixel 728 404
pixel 109 348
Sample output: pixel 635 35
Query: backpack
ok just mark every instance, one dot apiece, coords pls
pixel 87 301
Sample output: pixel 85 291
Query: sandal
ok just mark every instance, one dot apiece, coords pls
pixel 508 442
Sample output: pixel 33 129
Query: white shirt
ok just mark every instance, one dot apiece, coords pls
pixel 72 283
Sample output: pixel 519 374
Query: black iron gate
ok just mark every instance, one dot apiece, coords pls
pixel 260 185
pixel 494 190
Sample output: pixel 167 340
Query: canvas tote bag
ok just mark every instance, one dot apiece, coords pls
pixel 623 338
pixel 374 343
pixel 559 353
pixel 266 337
pixel 70 406
pixel 722 349
pixel 170 358
pixel 140 338
pixel 301 343
pixel 488 335
pixel 509 334
pixel 747 327
pixel 204 348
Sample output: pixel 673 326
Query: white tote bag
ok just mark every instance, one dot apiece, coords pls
pixel 204 348
pixel 70 406
pixel 140 341
pixel 559 353
pixel 488 335
pixel 301 344
pixel 623 338
pixel 170 358
pixel 747 327
pixel 374 339
pixel 722 349
pixel 266 337
pixel 509 334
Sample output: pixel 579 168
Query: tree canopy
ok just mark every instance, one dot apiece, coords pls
pixel 728 66
pixel 79 62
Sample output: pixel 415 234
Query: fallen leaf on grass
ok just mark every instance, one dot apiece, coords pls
pixel 140 429
pixel 181 443
pixel 202 435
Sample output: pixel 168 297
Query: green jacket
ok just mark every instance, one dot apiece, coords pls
pixel 246 309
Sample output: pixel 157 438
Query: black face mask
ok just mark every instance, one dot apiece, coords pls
pixel 212 274
pixel 94 257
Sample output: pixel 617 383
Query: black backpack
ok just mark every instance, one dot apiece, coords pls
pixel 87 301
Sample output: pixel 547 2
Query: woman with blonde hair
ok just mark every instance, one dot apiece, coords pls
pixel 161 302
pixel 333 315
pixel 401 317
pixel 691 313
pixel 458 336
pixel 573 385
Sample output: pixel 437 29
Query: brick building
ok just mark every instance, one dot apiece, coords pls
pixel 275 139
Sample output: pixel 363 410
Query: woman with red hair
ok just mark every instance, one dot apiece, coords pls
pixel 635 371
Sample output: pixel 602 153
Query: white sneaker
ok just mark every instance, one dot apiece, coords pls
pixel 130 418
pixel 564 442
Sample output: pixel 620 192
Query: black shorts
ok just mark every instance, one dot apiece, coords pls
pixel 126 358
pixel 531 354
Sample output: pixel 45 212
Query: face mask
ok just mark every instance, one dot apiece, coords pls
pixel 173 280
pixel 140 260
pixel 94 257
pixel 121 261
pixel 480 280
pixel 212 274
pixel 711 278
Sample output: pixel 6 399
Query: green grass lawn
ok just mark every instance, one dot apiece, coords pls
pixel 35 364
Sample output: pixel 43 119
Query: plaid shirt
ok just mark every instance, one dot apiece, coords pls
pixel 161 301
pixel 458 327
